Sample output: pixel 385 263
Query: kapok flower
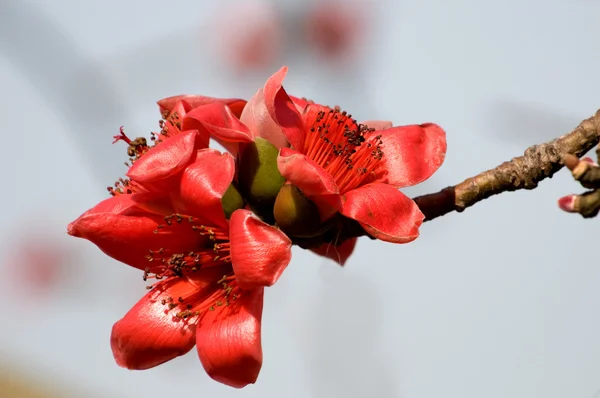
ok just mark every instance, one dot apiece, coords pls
pixel 209 273
pixel 336 28
pixel 342 166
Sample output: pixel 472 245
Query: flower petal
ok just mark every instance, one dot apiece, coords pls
pixel 339 253
pixel 283 110
pixel 193 101
pixel 411 154
pixel 166 159
pixel 384 212
pixel 202 186
pixel 129 235
pixel 229 340
pixel 148 334
pixel 259 252
pixel 220 121
pixel 307 175
pixel 378 124
pixel 301 103
pixel 257 118
pixel 118 204
pixel 314 182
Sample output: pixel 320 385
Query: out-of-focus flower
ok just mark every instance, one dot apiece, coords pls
pixel 336 29
pixel 37 264
pixel 170 219
pixel 338 165
pixel 249 34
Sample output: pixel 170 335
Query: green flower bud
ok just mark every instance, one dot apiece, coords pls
pixel 258 175
pixel 231 200
pixel 295 214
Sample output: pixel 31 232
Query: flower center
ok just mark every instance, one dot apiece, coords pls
pixel 344 148
pixel 214 250
pixel 225 293
pixel 212 256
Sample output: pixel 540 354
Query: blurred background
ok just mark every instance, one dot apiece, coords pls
pixel 500 301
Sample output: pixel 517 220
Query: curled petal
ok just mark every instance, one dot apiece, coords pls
pixel 165 160
pixel 257 118
pixel 339 253
pixel 190 102
pixel 378 124
pixel 128 237
pixel 118 204
pixel 180 109
pixel 384 212
pixel 411 154
pixel 301 103
pixel 149 334
pixel 229 340
pixel 220 122
pixel 283 110
pixel 314 182
pixel 126 204
pixel 307 175
pixel 202 186
pixel 259 252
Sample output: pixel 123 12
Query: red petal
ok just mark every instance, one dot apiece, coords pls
pixel 283 111
pixel 301 103
pixel 126 203
pixel 378 124
pixel 340 253
pixel 229 340
pixel 202 186
pixel 148 334
pixel 220 121
pixel 314 182
pixel 129 235
pixel 257 118
pixel 193 101
pixel 259 252
pixel 118 204
pixel 384 212
pixel 166 159
pixel 411 154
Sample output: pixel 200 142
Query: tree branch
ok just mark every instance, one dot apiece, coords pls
pixel 524 172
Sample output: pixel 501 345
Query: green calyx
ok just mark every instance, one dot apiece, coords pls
pixel 231 200
pixel 258 176
pixel 295 214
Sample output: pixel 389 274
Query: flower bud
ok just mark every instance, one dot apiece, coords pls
pixel 295 214
pixel 231 201
pixel 259 178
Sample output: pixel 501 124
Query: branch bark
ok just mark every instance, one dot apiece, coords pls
pixel 524 172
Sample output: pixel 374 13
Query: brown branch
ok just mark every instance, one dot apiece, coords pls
pixel 524 172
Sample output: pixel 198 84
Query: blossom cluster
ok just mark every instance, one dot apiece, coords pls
pixel 210 230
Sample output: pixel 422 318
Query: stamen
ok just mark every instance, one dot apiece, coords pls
pixel 196 303
pixel 170 125
pixel 213 251
pixel 123 186
pixel 343 147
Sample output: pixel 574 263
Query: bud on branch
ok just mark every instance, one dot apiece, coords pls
pixel 524 172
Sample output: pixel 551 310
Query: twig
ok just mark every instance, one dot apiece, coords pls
pixel 524 172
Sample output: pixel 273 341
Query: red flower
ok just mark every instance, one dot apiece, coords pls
pixel 336 28
pixel 339 164
pixel 249 34
pixel 168 220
